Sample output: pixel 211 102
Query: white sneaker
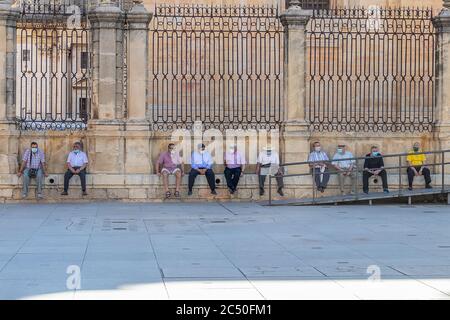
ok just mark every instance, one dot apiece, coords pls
pixel 24 195
pixel 39 196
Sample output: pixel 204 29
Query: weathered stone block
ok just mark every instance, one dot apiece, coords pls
pixel 138 193
pixel 118 193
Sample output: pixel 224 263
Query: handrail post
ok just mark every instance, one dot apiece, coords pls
pixel 313 182
pixel 270 188
pixel 443 170
pixel 357 180
pixel 399 175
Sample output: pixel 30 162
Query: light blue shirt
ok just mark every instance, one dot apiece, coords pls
pixel 343 164
pixel 199 160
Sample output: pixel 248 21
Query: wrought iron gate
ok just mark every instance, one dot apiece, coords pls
pixel 220 65
pixel 371 70
pixel 53 65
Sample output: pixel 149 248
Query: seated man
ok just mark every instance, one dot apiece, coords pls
pixel 169 162
pixel 33 166
pixel 201 163
pixel 344 167
pixel 319 165
pixel 374 166
pixel 416 167
pixel 76 165
pixel 234 168
pixel 269 163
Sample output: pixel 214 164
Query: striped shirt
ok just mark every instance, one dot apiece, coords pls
pixel 36 159
pixel 317 156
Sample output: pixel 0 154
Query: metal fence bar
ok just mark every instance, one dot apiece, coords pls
pixel 371 70
pixel 221 65
pixel 54 67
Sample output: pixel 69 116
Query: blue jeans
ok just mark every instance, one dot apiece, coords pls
pixel 26 181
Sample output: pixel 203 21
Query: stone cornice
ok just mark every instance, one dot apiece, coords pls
pixel 295 16
pixel 442 21
pixel 8 12
pixel 105 14
pixel 138 17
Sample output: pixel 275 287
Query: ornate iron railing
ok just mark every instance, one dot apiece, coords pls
pixel 53 67
pixel 221 65
pixel 371 70
pixel 313 4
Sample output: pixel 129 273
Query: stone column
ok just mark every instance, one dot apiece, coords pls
pixel 442 23
pixel 138 20
pixel 138 158
pixel 8 133
pixel 296 130
pixel 105 132
pixel 107 51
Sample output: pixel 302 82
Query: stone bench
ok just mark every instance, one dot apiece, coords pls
pixel 138 187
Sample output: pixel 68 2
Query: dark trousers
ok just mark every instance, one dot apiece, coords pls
pixel 425 171
pixel 232 176
pixel 321 182
pixel 367 175
pixel 262 180
pixel 69 176
pixel 210 176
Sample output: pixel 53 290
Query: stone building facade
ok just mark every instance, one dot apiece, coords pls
pixel 120 144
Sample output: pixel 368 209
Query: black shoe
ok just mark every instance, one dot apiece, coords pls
pixel 231 190
pixel 214 192
pixel 85 193
pixel 386 190
pixel 64 193
pixel 410 188
pixel 261 192
pixel 190 193
pixel 428 186
pixel 322 190
pixel 366 191
pixel 280 192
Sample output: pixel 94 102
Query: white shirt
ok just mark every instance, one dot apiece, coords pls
pixel 77 160
pixel 264 158
pixel 345 164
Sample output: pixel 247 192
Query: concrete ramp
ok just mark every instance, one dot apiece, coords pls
pixel 360 197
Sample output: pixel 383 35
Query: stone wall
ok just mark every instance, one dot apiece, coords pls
pixel 122 150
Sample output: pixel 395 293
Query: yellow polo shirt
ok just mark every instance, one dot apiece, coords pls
pixel 416 159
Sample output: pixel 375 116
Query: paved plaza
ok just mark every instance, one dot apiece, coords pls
pixel 223 251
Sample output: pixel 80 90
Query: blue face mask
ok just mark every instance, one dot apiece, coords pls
pixel 76 151
pixel 375 154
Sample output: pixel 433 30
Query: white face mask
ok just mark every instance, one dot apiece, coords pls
pixel 340 150
pixel 34 150
pixel 202 151
pixel 317 149
pixel 172 151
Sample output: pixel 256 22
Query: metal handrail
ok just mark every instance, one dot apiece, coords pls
pixel 400 166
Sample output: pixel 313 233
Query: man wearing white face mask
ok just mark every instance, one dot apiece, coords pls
pixel 170 163
pixel 269 163
pixel 33 166
pixel 234 168
pixel 344 165
pixel 319 163
pixel 201 163
pixel 76 165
